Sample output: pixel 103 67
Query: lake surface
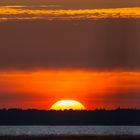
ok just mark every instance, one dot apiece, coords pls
pixel 69 130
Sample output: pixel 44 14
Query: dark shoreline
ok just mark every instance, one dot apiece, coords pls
pixel 123 117
pixel 84 137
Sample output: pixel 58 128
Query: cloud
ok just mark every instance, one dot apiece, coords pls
pixel 71 4
pixel 42 12
pixel 12 97
pixel 102 44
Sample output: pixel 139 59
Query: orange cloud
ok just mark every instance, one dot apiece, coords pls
pixel 42 12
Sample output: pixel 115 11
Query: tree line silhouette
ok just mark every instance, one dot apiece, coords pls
pixel 69 117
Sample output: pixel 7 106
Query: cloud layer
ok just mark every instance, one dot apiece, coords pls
pixel 78 4
pixel 100 44
pixel 54 13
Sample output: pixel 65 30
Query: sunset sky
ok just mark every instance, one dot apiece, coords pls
pixel 84 50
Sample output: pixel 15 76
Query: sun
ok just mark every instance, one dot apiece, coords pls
pixel 67 105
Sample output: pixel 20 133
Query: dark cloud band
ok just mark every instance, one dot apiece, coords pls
pixel 100 44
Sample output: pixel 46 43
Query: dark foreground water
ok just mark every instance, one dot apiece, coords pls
pixel 69 130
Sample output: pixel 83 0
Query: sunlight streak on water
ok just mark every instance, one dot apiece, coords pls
pixel 69 130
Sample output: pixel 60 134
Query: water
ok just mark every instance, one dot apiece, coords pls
pixel 69 130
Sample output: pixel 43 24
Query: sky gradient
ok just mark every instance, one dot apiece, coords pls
pixel 53 50
pixel 40 89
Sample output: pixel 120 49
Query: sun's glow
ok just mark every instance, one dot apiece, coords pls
pixel 95 89
pixel 67 105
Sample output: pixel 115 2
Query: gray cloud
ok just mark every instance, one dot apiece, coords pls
pixel 78 4
pixel 99 44
pixel 6 97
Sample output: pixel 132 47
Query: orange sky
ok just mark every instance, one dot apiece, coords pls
pixel 40 89
pixel 86 50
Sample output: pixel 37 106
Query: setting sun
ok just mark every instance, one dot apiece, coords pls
pixel 67 105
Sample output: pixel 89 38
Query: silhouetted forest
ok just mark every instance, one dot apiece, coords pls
pixel 96 117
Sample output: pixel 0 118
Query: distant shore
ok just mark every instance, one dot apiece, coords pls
pixel 121 137
pixel 120 117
